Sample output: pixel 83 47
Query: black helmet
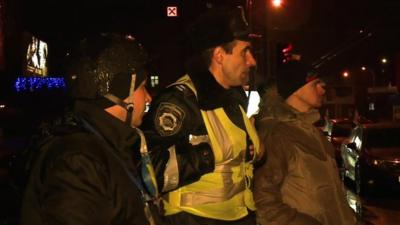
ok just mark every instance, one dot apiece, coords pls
pixel 106 66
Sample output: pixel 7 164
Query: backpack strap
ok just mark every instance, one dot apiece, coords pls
pixel 136 181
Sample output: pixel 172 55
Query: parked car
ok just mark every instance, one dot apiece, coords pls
pixel 371 156
pixel 337 130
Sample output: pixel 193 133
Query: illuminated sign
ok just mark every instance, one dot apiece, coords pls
pixel 371 106
pixel 36 57
pixel 38 83
pixel 172 11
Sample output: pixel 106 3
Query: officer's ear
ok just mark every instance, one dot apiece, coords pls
pixel 218 54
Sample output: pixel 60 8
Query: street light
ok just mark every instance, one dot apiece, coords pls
pixel 384 60
pixel 277 3
pixel 370 71
pixel 345 74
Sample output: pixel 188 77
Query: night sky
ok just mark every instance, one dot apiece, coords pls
pixel 315 27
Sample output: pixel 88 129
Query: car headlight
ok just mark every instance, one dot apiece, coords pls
pixel 376 162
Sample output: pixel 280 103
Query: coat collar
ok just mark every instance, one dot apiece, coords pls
pixel 211 94
pixel 119 135
pixel 275 110
pixel 274 107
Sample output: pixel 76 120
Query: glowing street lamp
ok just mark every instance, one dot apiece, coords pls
pixel 371 72
pixel 345 74
pixel 277 3
pixel 384 60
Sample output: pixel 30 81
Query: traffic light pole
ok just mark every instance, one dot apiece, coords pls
pixel 264 46
pixel 271 63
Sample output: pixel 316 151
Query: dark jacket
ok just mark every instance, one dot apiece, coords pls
pixel 299 183
pixel 77 178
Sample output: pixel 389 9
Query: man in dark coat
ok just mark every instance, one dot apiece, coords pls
pixel 85 171
pixel 299 182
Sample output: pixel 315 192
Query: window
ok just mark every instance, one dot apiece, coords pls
pixel 154 81
pixel 254 101
pixel 342 129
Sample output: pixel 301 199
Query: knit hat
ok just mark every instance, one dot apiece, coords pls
pixel 218 26
pixel 293 75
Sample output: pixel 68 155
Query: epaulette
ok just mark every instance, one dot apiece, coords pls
pixel 183 88
pixel 180 87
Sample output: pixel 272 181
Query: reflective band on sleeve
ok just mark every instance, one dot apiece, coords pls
pixel 171 174
pixel 195 140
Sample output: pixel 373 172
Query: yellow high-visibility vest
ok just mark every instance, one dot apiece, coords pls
pixel 224 194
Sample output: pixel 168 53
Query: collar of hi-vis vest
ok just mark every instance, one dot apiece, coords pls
pixel 212 95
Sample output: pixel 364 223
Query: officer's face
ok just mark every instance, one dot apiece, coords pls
pixel 141 97
pixel 236 65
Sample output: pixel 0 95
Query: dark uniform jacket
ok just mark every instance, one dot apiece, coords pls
pixel 77 179
pixel 175 115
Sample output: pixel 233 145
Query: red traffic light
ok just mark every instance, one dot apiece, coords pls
pixel 287 49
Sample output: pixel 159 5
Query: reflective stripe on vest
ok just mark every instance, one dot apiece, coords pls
pixel 225 193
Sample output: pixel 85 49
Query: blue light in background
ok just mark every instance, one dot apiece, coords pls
pixel 39 83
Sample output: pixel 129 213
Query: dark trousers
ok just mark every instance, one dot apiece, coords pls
pixel 184 218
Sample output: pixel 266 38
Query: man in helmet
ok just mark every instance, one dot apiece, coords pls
pixel 85 171
pixel 206 108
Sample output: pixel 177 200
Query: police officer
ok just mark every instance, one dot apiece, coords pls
pixel 85 170
pixel 201 120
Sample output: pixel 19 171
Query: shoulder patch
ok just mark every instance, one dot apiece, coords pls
pixel 169 118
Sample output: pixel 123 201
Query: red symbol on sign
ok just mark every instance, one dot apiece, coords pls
pixel 172 11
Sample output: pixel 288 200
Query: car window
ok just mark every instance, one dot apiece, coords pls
pixel 353 134
pixel 382 138
pixel 328 128
pixel 341 130
pixel 355 137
